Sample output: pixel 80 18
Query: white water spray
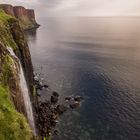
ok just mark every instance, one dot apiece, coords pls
pixel 25 94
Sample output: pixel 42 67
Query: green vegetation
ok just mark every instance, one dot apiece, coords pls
pixel 6 37
pixel 47 138
pixel 6 40
pixel 26 24
pixel 13 125
pixel 6 68
pixel 3 16
pixel 34 90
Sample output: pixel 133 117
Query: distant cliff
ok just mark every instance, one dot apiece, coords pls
pixel 25 16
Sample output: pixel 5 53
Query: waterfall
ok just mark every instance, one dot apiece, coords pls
pixel 25 93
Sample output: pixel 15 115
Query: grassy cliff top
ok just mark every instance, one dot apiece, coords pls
pixel 3 16
pixel 5 35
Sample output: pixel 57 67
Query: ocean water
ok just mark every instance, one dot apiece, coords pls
pixel 98 58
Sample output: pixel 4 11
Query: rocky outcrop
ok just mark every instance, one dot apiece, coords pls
pixel 25 16
pixel 8 9
pixel 31 15
pixel 12 106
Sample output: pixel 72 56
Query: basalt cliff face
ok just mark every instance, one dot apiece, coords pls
pixel 14 122
pixel 25 16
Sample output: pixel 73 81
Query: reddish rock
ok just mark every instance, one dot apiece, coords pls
pixel 20 12
pixel 31 16
pixel 8 9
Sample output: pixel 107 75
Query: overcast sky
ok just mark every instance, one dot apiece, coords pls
pixel 80 7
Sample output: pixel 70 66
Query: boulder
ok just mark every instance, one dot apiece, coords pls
pixel 61 109
pixel 74 104
pixel 54 99
pixel 78 98
pixel 55 94
pixel 68 98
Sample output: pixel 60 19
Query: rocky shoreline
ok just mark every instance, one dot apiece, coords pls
pixel 50 110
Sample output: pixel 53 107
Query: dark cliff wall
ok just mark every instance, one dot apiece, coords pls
pixel 23 51
pixel 25 16
pixel 31 15
pixel 13 124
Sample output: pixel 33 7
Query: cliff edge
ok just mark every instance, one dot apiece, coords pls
pixel 25 16
pixel 14 123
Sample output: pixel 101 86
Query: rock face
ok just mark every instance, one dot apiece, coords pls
pixel 25 16
pixel 11 36
pixel 8 9
pixel 31 15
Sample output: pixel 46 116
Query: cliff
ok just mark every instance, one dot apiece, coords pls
pixel 14 124
pixel 25 16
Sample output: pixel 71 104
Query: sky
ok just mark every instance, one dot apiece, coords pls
pixel 80 7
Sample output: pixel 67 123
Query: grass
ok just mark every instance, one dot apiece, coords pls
pixel 13 125
pixel 5 35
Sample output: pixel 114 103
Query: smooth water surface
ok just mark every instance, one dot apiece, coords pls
pixel 98 58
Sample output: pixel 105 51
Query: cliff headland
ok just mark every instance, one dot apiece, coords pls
pixel 25 16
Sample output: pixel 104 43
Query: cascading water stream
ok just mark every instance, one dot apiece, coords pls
pixel 25 94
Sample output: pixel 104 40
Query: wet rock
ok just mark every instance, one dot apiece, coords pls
pixel 47 104
pixel 56 132
pixel 46 86
pixel 61 109
pixel 39 83
pixel 78 98
pixel 36 78
pixel 68 98
pixel 54 122
pixel 38 94
pixel 74 104
pixel 42 79
pixel 54 99
pixel 38 87
pixel 55 94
